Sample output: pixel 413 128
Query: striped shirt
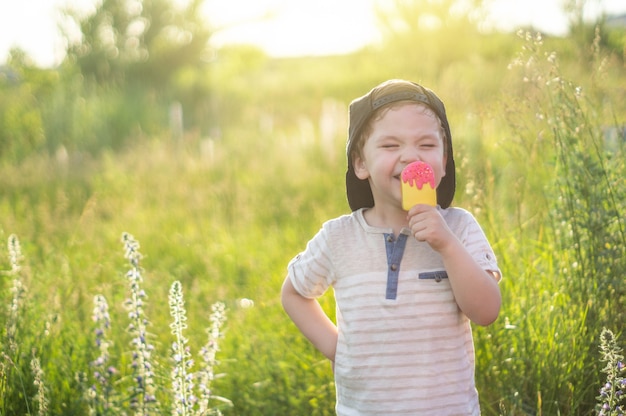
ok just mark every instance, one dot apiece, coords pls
pixel 402 352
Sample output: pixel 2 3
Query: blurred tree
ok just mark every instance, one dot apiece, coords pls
pixel 585 31
pixel 430 34
pixel 581 31
pixel 139 41
pixel 428 15
pixel 23 87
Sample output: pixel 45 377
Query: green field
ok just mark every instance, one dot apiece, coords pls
pixel 222 207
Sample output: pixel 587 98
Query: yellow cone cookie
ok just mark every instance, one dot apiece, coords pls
pixel 418 185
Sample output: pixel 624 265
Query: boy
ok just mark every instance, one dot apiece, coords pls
pixel 407 284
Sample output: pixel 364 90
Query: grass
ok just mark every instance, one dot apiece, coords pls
pixel 224 252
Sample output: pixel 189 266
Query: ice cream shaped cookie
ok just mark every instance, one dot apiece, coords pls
pixel 418 185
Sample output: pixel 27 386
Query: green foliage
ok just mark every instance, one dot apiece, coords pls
pixel 21 129
pixel 128 42
pixel 92 120
pixel 133 61
pixel 21 124
pixel 431 35
pixel 572 281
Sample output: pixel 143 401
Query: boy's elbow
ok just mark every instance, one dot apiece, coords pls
pixel 488 308
pixel 488 319
pixel 489 314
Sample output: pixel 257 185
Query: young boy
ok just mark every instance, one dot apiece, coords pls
pixel 407 284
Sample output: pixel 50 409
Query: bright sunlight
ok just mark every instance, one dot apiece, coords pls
pixel 280 27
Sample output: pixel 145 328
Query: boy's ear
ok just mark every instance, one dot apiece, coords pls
pixel 360 169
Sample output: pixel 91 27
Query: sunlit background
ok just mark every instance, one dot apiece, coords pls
pixel 280 27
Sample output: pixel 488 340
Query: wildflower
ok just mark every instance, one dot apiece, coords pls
pixel 611 394
pixel 102 391
pixel 144 399
pixel 17 290
pixel 40 397
pixel 182 379
pixel 15 254
pixel 508 325
pixel 552 57
pixel 206 374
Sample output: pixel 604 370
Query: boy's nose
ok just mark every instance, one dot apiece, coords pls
pixel 410 155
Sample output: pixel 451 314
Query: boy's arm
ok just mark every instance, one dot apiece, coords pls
pixel 310 319
pixel 475 290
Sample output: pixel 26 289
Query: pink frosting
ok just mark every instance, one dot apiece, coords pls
pixel 418 173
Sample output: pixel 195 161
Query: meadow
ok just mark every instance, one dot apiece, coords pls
pixel 217 215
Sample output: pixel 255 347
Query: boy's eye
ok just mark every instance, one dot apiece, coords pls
pixel 389 145
pixel 428 144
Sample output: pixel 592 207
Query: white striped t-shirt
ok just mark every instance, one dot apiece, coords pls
pixel 412 355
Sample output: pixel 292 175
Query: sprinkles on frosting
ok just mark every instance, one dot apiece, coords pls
pixel 418 173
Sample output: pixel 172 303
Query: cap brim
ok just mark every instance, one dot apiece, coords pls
pixel 358 191
pixel 447 186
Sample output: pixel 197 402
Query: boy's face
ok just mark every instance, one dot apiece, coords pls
pixel 403 134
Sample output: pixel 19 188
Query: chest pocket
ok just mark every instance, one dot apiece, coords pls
pixel 437 276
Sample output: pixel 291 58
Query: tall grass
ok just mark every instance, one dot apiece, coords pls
pixel 567 254
pixel 209 239
pixel 104 387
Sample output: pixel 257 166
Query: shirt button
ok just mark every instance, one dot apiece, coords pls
pixel 394 267
pixel 390 239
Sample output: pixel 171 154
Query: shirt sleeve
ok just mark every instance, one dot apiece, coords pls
pixel 311 271
pixel 478 246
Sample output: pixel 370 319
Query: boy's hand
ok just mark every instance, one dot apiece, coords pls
pixel 475 291
pixel 427 224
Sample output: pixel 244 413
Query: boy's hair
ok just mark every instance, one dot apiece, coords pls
pixel 362 112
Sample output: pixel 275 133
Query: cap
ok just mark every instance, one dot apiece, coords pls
pixel 361 110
